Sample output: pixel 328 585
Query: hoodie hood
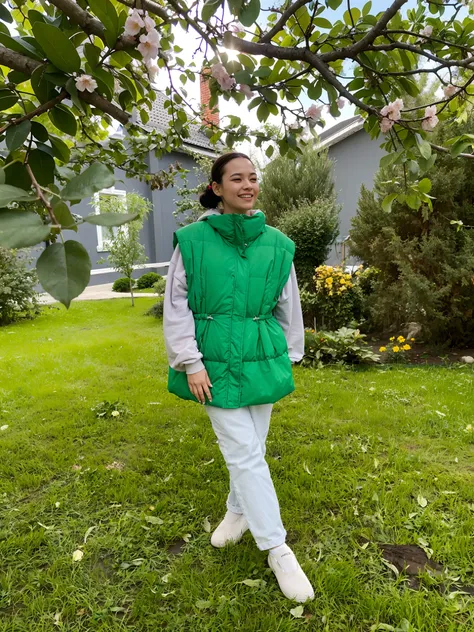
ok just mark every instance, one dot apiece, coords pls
pixel 236 229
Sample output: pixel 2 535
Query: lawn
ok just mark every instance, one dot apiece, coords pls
pixel 359 458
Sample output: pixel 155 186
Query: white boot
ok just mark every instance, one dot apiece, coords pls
pixel 290 576
pixel 231 529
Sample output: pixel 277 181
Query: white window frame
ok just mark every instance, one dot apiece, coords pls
pixel 102 244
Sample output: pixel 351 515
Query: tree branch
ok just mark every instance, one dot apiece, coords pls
pixel 193 24
pixel 39 110
pixel 26 65
pixel 41 195
pixel 267 37
pixel 147 5
pixel 90 24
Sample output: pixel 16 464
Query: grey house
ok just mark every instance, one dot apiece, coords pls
pixel 356 160
pixel 157 233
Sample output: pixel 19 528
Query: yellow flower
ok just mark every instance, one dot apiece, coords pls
pixel 396 349
pixel 401 339
pixel 342 281
pixel 329 280
pixel 412 340
pixel 382 349
pixel 392 338
pixel 406 347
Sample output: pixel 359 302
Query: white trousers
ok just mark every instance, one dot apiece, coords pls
pixel 241 434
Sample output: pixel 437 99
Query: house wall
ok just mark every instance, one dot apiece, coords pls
pixel 158 229
pixel 356 160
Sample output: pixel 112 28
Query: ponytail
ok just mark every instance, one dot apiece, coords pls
pixel 209 199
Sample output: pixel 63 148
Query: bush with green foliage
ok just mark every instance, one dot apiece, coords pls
pixel 160 286
pixel 313 226
pixel 147 280
pixel 18 298
pixel 188 207
pixel 156 310
pixel 344 346
pixel 122 285
pixel 288 183
pixel 426 260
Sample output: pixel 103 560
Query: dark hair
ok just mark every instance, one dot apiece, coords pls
pixel 209 199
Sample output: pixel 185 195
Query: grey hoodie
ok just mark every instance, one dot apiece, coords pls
pixel 178 320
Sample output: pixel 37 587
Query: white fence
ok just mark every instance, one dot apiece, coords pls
pixel 163 264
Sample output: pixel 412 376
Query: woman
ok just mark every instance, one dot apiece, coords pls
pixel 233 326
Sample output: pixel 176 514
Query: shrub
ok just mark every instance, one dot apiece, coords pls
pixel 122 285
pixel 287 182
pixel 426 264
pixel 18 298
pixel 344 346
pixel 160 286
pixel 396 349
pixel 147 280
pixel 156 310
pixel 313 227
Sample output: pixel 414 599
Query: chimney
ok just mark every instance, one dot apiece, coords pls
pixel 209 116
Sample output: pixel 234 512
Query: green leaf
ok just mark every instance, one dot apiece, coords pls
pixel 105 82
pixel 17 134
pixel 423 146
pixel 209 8
pixel 425 185
pixel 249 14
pixel 387 202
pixel 9 194
pixel 154 520
pixel 16 175
pixel 19 45
pixel 92 54
pixel 297 612
pixel 334 4
pixel 39 132
pixel 388 160
pixel 43 89
pixel 60 150
pixel 322 23
pixel 2 175
pixel 62 118
pixel 63 215
pixel 57 47
pixel 262 112
pixel 21 229
pixel 64 270
pixel 107 14
pixel 5 15
pixel 110 219
pixel 93 179
pixel 42 165
pixel 71 88
pixel 7 99
pixel 120 59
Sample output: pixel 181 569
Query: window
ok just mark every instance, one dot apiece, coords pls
pixel 116 201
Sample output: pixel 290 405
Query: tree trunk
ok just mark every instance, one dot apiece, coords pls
pixel 131 291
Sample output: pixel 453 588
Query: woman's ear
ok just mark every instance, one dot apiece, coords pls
pixel 216 188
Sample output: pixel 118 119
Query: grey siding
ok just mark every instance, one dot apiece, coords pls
pixel 356 160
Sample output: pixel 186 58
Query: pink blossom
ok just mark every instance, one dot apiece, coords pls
pixel 220 74
pixel 237 28
pixel 427 31
pixel 149 23
pixel 450 90
pixel 246 90
pixel 314 112
pixel 152 68
pixel 85 83
pixel 148 47
pixel 341 103
pixel 392 110
pixel 133 24
pixel 386 125
pixel 154 37
pixel 431 120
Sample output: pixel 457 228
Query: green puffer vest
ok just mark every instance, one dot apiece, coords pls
pixel 236 268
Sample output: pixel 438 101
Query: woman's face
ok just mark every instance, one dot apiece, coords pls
pixel 239 187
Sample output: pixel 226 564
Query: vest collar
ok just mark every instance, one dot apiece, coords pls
pixel 237 230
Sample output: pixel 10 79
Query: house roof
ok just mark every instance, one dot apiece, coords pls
pixel 160 119
pixel 340 131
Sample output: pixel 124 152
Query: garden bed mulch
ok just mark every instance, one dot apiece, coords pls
pixel 425 354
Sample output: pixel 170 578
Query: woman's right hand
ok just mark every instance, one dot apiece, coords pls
pixel 199 385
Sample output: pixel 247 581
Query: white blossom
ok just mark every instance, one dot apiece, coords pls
pixel 152 68
pixel 133 24
pixel 220 74
pixel 427 31
pixel 245 89
pixel 86 83
pixel 148 46
pixel 314 112
pixel 450 90
pixel 431 120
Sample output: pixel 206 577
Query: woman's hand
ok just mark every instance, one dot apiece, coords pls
pixel 199 385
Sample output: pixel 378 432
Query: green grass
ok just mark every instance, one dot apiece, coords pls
pixel 352 453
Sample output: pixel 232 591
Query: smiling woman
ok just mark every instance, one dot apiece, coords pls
pixel 233 326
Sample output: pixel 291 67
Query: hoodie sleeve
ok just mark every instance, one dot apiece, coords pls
pixel 178 321
pixel 289 315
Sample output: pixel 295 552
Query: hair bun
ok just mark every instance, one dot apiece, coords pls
pixel 209 199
